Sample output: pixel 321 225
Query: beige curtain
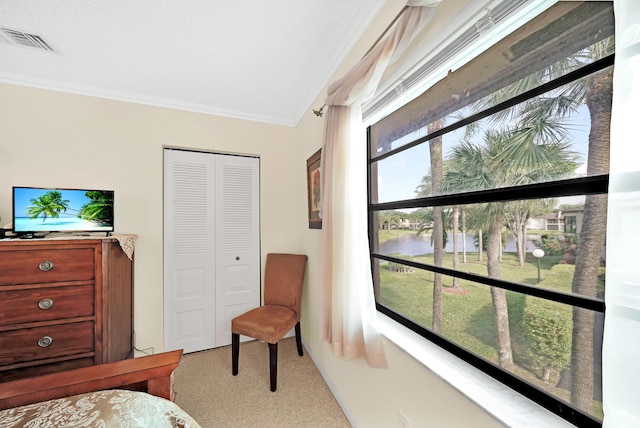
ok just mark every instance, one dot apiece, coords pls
pixel 349 321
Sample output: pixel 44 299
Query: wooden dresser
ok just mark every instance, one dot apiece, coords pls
pixel 64 303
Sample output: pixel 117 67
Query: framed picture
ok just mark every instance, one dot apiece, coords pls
pixel 313 190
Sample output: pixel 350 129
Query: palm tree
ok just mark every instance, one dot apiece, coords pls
pixel 449 221
pixel 543 145
pixel 100 207
pixel 49 205
pixel 455 226
pixel 592 238
pixel 435 154
pixel 472 168
pixel 594 91
pixel 539 146
pixel 493 165
pixel 426 225
pixel 464 236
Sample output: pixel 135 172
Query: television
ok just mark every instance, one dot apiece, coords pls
pixel 39 210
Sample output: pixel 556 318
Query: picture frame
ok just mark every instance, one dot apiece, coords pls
pixel 313 190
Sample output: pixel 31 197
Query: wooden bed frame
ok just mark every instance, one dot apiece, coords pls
pixel 151 374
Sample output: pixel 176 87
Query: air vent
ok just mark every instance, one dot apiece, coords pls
pixel 25 39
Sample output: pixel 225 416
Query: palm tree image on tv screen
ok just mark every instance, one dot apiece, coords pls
pixel 39 210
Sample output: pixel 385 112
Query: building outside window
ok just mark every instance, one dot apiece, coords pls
pixel 573 220
pixel 457 174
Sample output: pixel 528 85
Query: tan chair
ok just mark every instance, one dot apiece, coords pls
pixel 283 277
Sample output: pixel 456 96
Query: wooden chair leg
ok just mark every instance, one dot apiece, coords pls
pixel 235 351
pixel 299 339
pixel 273 364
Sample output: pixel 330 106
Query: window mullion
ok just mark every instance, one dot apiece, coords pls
pixel 595 184
pixel 556 296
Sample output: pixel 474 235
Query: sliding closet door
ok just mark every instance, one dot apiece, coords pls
pixel 205 280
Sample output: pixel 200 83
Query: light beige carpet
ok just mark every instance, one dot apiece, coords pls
pixel 206 389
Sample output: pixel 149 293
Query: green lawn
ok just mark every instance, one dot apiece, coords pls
pixel 467 311
pixel 468 317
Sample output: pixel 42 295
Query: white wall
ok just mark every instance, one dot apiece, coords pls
pixel 62 140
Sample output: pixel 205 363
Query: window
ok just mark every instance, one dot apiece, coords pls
pixel 475 190
pixel 570 223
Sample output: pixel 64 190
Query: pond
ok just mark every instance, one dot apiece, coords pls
pixel 412 245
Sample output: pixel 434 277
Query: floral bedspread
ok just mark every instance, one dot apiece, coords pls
pixel 111 408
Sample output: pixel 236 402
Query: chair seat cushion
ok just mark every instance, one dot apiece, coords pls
pixel 268 323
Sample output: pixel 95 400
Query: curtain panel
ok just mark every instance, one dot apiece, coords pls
pixel 621 343
pixel 349 317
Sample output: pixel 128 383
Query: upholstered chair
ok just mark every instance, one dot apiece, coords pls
pixel 283 278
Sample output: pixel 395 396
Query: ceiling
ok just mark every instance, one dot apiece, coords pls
pixel 250 59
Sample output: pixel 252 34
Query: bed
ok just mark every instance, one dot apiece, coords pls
pixel 130 393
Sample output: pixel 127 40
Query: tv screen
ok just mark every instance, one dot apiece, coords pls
pixel 37 209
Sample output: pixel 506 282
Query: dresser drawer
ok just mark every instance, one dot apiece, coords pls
pixel 46 265
pixel 40 369
pixel 32 344
pixel 45 304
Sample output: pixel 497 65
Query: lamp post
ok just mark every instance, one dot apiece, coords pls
pixel 538 253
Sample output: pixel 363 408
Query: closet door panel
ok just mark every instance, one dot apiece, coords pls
pixel 237 243
pixel 189 251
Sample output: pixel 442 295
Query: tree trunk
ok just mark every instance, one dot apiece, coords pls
pixel 520 240
pixel 591 240
pixel 456 215
pixel 435 153
pixel 524 242
pixel 464 236
pixel 498 295
pixel 480 245
pixel 438 258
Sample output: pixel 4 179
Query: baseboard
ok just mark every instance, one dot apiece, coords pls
pixel 332 387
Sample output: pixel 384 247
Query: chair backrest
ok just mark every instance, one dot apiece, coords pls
pixel 283 278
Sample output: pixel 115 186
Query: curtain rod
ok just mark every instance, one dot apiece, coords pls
pixel 319 112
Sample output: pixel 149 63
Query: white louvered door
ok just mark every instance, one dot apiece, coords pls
pixel 237 243
pixel 211 246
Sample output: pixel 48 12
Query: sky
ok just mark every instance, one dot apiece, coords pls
pixel 23 195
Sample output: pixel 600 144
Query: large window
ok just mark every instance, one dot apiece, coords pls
pixel 488 204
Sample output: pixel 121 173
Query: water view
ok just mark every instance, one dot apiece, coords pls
pixel 411 244
pixel 59 224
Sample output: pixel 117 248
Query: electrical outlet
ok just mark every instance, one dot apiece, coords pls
pixel 403 420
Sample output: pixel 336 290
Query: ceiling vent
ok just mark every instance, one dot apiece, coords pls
pixel 25 39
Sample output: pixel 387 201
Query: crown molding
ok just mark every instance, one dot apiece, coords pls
pixel 88 91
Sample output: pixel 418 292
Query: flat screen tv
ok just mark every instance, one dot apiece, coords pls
pixel 39 210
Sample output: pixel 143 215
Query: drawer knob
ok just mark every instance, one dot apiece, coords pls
pixel 45 303
pixel 46 266
pixel 45 341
